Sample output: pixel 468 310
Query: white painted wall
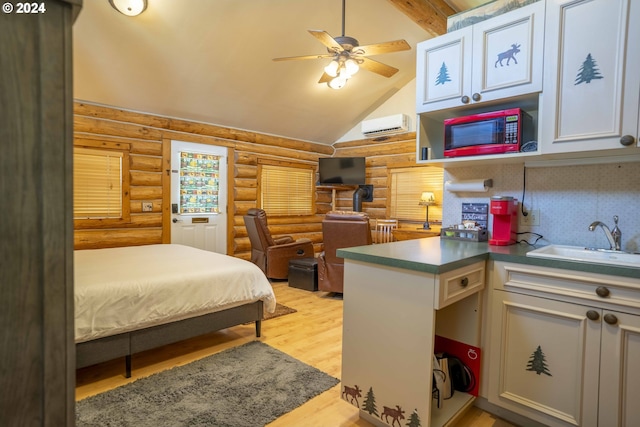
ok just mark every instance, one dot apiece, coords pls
pixel 403 102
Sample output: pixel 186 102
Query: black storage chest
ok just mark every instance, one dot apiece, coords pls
pixel 303 273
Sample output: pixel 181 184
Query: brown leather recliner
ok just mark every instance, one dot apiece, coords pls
pixel 340 229
pixel 273 255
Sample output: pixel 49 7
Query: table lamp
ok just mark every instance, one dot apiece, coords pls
pixel 427 199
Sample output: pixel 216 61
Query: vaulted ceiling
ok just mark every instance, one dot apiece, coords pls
pixel 211 60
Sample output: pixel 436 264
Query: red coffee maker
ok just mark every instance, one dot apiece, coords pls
pixel 505 220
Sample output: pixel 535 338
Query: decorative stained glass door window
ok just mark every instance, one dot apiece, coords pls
pixel 199 183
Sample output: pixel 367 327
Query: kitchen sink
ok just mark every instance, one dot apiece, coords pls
pixel 578 253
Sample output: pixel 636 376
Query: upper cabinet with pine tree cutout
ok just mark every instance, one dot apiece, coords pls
pixel 493 60
pixel 592 77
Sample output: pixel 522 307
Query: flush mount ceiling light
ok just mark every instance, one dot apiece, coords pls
pixel 347 56
pixel 129 7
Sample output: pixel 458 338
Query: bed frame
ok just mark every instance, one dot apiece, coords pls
pixel 128 343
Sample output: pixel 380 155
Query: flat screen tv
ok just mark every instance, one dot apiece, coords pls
pixel 341 170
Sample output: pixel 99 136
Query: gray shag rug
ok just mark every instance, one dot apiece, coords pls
pixel 250 385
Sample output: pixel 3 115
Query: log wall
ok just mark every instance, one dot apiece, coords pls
pixel 149 136
pixel 380 153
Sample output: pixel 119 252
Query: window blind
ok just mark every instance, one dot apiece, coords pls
pixel 406 187
pixel 97 183
pixel 286 190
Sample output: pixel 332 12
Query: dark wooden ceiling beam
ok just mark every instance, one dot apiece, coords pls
pixel 431 15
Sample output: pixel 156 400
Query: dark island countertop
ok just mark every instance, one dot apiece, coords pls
pixel 436 255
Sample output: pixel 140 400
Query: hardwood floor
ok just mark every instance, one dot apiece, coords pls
pixel 312 335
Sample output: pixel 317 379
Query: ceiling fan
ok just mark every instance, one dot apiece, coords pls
pixel 347 56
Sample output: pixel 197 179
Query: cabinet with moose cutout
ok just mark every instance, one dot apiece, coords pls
pixel 492 60
pixel 591 78
pixel 398 305
pixel 564 346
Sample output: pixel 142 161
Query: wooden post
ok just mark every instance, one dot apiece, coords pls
pixel 37 357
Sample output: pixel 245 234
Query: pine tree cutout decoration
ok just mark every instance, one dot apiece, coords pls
pixel 369 404
pixel 537 363
pixel 588 71
pixel 414 419
pixel 443 75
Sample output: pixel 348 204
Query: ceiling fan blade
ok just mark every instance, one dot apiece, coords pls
pixel 377 67
pixel 325 78
pixel 326 40
pixel 288 58
pixel 380 48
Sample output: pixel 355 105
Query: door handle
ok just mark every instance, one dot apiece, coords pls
pixel 176 220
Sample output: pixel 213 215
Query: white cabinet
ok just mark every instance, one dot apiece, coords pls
pixel 592 80
pixel 391 315
pixel 619 370
pixel 495 59
pixel 546 353
pixel 564 346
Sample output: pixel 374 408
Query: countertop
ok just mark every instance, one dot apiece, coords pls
pixel 437 255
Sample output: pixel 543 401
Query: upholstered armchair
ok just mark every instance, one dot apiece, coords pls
pixel 273 255
pixel 340 229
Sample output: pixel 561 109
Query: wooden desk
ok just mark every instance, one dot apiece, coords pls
pixel 415 233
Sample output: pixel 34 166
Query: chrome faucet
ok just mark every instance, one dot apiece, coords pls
pixel 613 236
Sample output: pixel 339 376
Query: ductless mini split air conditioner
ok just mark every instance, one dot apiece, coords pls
pixel 389 125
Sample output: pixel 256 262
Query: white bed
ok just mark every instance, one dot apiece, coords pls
pixel 134 298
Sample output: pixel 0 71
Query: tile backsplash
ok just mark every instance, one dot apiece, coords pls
pixel 569 198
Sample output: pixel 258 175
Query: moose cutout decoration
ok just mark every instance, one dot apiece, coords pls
pixel 352 394
pixel 508 55
pixel 390 415
pixel 396 415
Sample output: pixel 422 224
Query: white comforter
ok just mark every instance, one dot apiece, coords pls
pixel 123 289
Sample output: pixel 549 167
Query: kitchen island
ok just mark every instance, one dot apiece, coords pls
pixel 398 297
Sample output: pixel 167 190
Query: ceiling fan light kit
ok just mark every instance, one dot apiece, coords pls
pixel 129 7
pixel 342 68
pixel 347 56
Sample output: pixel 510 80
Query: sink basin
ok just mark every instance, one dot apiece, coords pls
pixel 578 253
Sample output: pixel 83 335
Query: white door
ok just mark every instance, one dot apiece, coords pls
pixel 199 196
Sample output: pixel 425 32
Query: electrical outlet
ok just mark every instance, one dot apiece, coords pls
pixel 533 218
pixel 147 207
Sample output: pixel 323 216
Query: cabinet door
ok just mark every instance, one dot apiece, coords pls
pixel 544 360
pixel 620 370
pixel 508 54
pixel 495 59
pixel 591 82
pixel 443 71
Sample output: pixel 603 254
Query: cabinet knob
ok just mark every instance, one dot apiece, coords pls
pixel 476 97
pixel 602 291
pixel 592 315
pixel 627 140
pixel 464 282
pixel 465 99
pixel 610 319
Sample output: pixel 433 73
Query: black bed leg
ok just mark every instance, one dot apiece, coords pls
pixel 258 326
pixel 127 363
